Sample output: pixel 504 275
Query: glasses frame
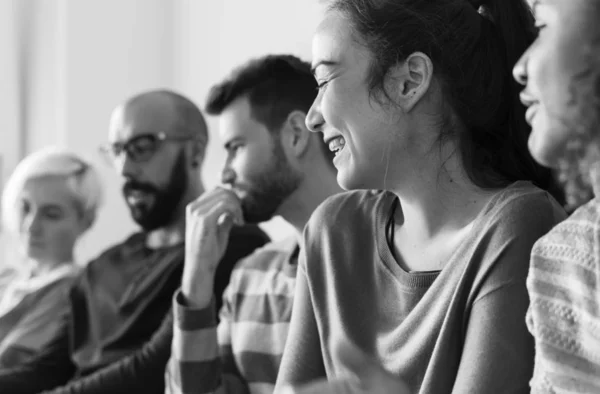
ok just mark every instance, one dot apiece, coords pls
pixel 109 152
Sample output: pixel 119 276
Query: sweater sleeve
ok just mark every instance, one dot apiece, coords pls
pixel 498 351
pixel 51 367
pixel 302 360
pixel 201 358
pixel 140 372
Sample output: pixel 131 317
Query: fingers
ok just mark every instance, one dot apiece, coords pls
pixel 219 206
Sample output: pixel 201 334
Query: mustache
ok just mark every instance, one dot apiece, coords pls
pixel 132 185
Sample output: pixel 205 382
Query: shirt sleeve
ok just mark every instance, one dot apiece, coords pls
pixel 302 360
pixel 49 368
pixel 498 350
pixel 201 357
pixel 140 372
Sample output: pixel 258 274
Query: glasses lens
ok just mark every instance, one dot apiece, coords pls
pixel 141 148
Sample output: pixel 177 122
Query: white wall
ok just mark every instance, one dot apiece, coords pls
pixel 217 36
pixel 80 58
pixel 10 95
pixel 86 56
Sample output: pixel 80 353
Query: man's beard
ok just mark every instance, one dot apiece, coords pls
pixel 165 201
pixel 269 189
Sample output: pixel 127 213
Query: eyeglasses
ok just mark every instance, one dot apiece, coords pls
pixel 141 147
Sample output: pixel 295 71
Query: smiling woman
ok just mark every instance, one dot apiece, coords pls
pixel 425 279
pixel 50 200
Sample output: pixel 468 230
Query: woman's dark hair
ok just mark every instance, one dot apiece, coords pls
pixel 473 46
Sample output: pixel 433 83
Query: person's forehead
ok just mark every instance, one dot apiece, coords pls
pixel 150 116
pixel 237 120
pixel 48 190
pixel 333 40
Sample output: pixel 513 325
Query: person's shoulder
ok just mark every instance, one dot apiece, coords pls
pixel 347 207
pixel 523 206
pixel 577 239
pixel 115 252
pixel 561 281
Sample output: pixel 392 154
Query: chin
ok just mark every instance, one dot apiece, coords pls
pixel 350 180
pixel 34 253
pixel 544 150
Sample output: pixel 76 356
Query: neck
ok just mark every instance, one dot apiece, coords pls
pixel 313 190
pixel 174 232
pixel 434 200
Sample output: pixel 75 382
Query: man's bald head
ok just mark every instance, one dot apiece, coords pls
pixel 162 110
pixel 160 174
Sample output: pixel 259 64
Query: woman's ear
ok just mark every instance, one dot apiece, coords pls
pixel 411 80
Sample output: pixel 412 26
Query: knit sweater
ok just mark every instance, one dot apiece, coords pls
pixel 564 315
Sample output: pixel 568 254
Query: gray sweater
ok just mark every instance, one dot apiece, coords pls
pixel 459 330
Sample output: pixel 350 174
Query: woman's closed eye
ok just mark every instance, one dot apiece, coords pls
pixel 53 213
pixel 233 148
pixel 539 27
pixel 322 84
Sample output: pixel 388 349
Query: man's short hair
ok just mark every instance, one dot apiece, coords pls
pixel 275 85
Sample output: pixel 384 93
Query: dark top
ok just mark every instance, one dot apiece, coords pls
pixel 117 337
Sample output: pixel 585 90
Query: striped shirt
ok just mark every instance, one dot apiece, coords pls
pixel 564 314
pixel 243 352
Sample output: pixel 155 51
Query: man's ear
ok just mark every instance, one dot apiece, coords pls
pixel 411 80
pixel 196 154
pixel 297 135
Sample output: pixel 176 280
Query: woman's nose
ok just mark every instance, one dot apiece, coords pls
pixel 314 118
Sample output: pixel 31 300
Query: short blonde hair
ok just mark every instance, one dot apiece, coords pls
pixel 83 180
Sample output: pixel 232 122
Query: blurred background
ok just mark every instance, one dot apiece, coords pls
pixel 66 64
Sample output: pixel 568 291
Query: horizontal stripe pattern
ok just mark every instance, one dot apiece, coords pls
pixel 244 351
pixel 564 313
pixel 258 337
pixel 260 309
pixel 258 367
pixel 257 282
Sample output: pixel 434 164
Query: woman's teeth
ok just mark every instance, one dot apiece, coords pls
pixel 337 144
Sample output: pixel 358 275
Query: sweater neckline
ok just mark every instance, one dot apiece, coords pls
pixel 417 279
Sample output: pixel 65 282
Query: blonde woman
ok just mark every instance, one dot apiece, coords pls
pixel 50 200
